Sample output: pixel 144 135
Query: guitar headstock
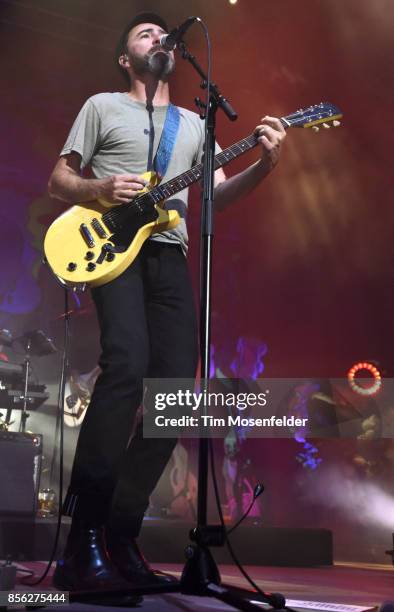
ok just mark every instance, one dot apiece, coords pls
pixel 323 114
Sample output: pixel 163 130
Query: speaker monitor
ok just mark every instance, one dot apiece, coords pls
pixel 20 467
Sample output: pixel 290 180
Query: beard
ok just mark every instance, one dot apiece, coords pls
pixel 157 62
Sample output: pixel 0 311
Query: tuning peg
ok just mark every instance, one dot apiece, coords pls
pixel 336 123
pixel 326 126
pixel 315 128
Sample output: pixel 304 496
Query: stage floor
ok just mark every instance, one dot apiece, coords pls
pixel 347 584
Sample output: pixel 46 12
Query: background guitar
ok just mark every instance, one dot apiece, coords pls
pixel 77 394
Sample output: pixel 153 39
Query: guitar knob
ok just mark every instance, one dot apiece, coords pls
pixel 91 266
pixel 71 266
pixel 89 255
pixel 110 256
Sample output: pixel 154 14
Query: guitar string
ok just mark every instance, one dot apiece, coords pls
pixel 119 214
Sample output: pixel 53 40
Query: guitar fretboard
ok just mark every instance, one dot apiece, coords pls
pixel 161 192
pixel 119 215
pixel 194 174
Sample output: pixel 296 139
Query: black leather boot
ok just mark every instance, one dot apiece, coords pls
pixel 86 565
pixel 131 563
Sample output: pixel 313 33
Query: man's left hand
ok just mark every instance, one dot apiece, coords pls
pixel 271 135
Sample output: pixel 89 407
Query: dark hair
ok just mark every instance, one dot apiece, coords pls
pixel 121 47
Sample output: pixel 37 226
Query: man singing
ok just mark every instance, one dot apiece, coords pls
pixel 146 315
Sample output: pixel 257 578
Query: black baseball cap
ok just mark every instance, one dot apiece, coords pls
pixel 148 18
pixel 137 20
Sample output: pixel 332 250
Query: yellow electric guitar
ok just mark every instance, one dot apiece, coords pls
pixel 93 243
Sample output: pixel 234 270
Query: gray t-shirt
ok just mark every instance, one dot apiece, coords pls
pixel 112 135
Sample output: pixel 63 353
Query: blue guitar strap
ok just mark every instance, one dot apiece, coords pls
pixel 167 141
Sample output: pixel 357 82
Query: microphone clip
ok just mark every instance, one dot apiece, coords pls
pixel 202 107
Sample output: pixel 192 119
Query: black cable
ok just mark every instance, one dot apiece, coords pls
pixel 257 491
pixel 275 599
pixel 60 410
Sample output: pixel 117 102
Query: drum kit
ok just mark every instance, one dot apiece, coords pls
pixel 19 391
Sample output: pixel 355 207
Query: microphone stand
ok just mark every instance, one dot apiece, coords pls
pixel 200 575
pixel 25 397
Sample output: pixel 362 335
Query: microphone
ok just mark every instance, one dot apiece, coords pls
pixel 170 41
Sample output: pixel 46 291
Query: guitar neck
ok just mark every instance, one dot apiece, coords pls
pixel 119 215
pixel 165 190
pixel 193 175
pixel 310 117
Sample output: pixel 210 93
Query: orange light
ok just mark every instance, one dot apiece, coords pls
pixel 356 387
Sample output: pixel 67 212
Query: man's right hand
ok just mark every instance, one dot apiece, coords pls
pixel 121 188
pixel 67 184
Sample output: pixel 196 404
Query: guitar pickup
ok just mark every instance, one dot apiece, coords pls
pixel 87 236
pixel 99 229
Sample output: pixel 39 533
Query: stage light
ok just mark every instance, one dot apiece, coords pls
pixel 361 389
pixel 370 503
pixel 233 1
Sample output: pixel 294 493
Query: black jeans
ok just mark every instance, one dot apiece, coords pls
pixel 148 329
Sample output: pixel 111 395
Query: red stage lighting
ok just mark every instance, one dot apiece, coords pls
pixel 355 385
